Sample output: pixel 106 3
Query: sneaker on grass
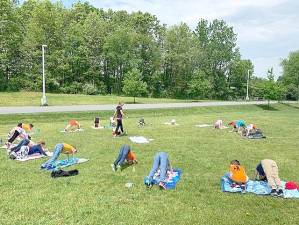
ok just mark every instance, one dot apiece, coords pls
pixel 273 193
pixel 113 167
pixel 280 193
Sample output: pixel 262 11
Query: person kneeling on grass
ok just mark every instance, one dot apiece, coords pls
pixel 59 148
pixel 251 128
pixel 218 124
pixel 238 175
pixel 73 125
pixel 267 170
pixel 237 125
pixel 125 154
pixel 161 162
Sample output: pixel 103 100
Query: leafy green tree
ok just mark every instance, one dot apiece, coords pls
pixel 199 86
pixel 217 44
pixel 133 84
pixel 270 89
pixel 290 75
pixel 237 77
pixel 179 59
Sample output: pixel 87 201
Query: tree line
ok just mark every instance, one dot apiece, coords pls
pixel 93 51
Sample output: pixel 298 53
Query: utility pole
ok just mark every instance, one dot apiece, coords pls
pixel 44 98
pixel 247 90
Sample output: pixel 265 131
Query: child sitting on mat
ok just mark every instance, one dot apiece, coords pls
pixel 59 148
pixel 73 125
pixel 125 156
pixel 238 175
pixel 251 128
pixel 161 162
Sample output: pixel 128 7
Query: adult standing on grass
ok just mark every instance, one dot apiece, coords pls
pixel 119 114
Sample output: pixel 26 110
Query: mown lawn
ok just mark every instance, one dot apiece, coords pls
pixel 99 196
pixel 34 99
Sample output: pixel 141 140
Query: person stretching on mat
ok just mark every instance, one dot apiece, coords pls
pixel 17 131
pixel 73 125
pixel 119 114
pixel 237 125
pixel 218 124
pixel 59 148
pixel 39 148
pixel 161 162
pixel 267 170
pixel 125 154
pixel 251 128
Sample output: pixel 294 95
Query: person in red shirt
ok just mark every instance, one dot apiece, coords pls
pixel 125 154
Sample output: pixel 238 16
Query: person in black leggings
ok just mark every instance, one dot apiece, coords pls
pixel 119 114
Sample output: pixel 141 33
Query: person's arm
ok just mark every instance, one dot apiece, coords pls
pixel 42 151
pixel 122 113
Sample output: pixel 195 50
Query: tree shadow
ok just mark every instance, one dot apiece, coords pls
pixel 290 105
pixel 133 103
pixel 267 107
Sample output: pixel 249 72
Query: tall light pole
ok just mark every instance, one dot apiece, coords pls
pixel 44 98
pixel 247 90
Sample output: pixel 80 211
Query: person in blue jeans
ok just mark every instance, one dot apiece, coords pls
pixel 125 154
pixel 40 148
pixel 161 162
pixel 59 148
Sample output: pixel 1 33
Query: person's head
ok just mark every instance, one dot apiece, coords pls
pixel 19 125
pixel 31 125
pixel 74 150
pixel 120 103
pixel 254 126
pixel 235 162
pixel 233 124
pixel 42 142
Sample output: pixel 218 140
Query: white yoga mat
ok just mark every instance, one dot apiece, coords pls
pixel 139 139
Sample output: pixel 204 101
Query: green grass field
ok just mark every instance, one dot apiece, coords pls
pixel 34 99
pixel 99 196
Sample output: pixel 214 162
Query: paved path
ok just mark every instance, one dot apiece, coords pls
pixel 81 108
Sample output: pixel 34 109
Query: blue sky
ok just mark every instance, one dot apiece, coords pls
pixel 267 29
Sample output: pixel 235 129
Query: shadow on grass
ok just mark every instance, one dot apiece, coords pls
pixel 290 105
pixel 125 166
pixel 134 103
pixel 267 107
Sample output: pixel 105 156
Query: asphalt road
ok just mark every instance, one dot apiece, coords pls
pixel 84 108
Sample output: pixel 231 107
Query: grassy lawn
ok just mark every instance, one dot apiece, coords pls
pixel 99 196
pixel 34 99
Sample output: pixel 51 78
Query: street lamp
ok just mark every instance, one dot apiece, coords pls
pixel 44 98
pixel 247 90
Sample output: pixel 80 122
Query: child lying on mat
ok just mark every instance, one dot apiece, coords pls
pixel 72 125
pixel 161 162
pixel 59 148
pixel 125 156
pixel 238 175
pixel 267 170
